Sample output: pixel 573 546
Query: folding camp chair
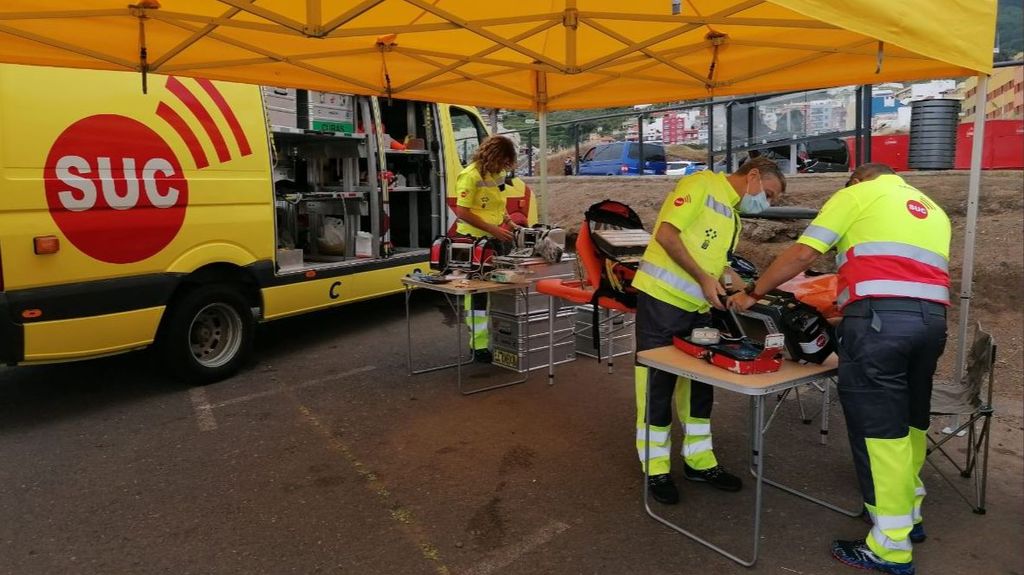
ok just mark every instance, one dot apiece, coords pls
pixel 824 387
pixel 964 399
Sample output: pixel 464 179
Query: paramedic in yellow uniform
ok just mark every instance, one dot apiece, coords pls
pixel 481 210
pixel 892 243
pixel 678 283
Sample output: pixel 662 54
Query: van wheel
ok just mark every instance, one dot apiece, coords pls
pixel 208 334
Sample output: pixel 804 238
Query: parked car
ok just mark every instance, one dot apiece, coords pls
pixel 816 156
pixel 623 159
pixel 684 167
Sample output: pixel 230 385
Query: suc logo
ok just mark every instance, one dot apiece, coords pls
pixel 917 209
pixel 115 188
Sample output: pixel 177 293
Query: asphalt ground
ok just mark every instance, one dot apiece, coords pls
pixel 325 456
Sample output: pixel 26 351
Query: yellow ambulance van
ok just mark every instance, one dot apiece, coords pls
pixel 183 216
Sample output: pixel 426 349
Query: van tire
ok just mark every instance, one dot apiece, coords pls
pixel 207 334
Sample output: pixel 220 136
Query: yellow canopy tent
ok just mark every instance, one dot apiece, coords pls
pixel 525 54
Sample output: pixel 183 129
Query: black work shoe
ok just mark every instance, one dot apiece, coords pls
pixel 483 356
pixel 663 489
pixel 858 554
pixel 716 476
pixel 917 534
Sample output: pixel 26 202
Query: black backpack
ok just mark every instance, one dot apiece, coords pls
pixel 617 271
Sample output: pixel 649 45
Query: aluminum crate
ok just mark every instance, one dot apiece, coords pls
pixel 622 344
pixel 510 331
pixel 282 118
pixel 515 360
pixel 621 331
pixel 510 344
pixel 513 303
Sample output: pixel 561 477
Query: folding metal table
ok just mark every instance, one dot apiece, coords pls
pixel 757 387
pixel 460 289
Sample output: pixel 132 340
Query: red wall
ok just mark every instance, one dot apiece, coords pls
pixel 1004 147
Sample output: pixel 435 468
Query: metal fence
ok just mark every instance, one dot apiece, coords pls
pixel 737 126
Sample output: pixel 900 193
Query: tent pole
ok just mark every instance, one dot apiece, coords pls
pixel 728 137
pixel 543 166
pixel 858 110
pixel 576 139
pixel 711 136
pixel 973 188
pixel 868 124
pixel 529 153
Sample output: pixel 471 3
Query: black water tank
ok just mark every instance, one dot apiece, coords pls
pixel 933 126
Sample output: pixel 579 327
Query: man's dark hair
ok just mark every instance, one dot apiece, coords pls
pixel 865 172
pixel 765 167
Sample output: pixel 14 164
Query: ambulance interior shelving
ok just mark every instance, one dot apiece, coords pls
pixel 330 207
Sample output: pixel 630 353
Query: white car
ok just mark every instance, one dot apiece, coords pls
pixel 683 167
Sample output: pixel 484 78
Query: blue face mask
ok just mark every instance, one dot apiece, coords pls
pixel 754 203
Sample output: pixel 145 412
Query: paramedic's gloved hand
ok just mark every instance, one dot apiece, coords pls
pixel 740 301
pixel 712 289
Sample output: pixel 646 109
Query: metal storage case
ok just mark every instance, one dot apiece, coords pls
pixel 620 341
pixel 510 344
pixel 328 112
pixel 513 303
pixel 281 105
pixel 513 315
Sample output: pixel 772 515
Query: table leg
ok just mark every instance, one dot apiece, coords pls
pixel 758 414
pixel 757 469
pixel 526 372
pixel 800 403
pixel 825 408
pixel 408 330
pixel 758 417
pixel 551 340
pixel 610 335
pixel 775 410
pixel 460 304
pixel 408 337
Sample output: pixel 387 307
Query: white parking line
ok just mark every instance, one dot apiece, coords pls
pixel 303 385
pixel 511 554
pixel 203 409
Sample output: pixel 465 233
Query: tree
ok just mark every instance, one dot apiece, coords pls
pixel 1009 29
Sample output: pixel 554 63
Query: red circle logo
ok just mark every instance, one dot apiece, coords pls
pixel 115 188
pixel 821 341
pixel 917 209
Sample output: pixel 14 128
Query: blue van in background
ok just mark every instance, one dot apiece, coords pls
pixel 623 159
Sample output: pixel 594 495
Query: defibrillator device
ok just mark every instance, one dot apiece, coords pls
pixel 538 241
pixel 808 337
pixel 474 256
pixel 740 355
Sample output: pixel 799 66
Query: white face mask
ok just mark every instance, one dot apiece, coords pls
pixel 756 203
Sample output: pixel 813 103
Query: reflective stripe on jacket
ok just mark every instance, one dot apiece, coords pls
pixel 892 241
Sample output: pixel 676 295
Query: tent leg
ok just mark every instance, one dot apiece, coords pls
pixel 974 185
pixel 543 166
